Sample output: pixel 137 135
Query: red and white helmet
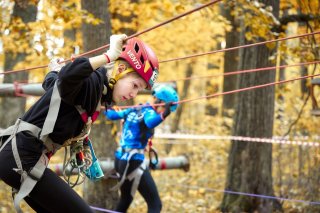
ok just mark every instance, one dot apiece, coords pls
pixel 142 59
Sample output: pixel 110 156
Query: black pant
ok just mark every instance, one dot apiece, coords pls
pixel 50 194
pixel 147 188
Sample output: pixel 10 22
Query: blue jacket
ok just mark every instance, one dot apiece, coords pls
pixel 138 127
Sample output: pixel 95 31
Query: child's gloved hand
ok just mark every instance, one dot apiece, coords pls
pixel 167 109
pixel 54 64
pixel 116 43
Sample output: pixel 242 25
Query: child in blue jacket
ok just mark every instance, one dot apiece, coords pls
pixel 138 128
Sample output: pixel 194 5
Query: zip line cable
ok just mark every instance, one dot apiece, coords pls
pixel 239 47
pixel 156 26
pixel 189 56
pixel 134 35
pixel 244 71
pixel 250 88
pixel 242 89
pixel 227 92
pixel 225 74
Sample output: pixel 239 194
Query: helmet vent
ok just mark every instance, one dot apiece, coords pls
pixel 136 48
pixel 142 59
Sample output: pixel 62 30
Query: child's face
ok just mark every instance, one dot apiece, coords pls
pixel 128 87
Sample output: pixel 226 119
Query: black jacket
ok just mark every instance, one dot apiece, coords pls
pixel 78 84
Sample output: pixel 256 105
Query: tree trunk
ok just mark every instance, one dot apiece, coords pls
pixel 304 83
pixel 95 36
pixel 70 36
pixel 250 164
pixel 176 119
pixel 231 59
pixel 313 181
pixel 127 19
pixel 98 194
pixel 12 108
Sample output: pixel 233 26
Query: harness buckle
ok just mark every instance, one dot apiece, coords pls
pixel 33 176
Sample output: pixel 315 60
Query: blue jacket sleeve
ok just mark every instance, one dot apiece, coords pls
pixel 116 115
pixel 152 118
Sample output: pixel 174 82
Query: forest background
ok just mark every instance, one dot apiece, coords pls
pixel 33 32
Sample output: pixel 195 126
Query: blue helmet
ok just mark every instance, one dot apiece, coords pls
pixel 166 94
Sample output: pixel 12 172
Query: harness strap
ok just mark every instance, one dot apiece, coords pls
pixel 30 180
pixel 119 184
pixel 136 176
pixel 88 120
pixel 50 145
pixel 52 113
pixel 19 126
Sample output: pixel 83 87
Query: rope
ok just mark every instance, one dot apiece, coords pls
pixel 242 89
pixel 134 35
pixel 274 140
pixel 103 210
pixel 249 194
pixel 181 58
pixel 227 92
pixel 245 71
pixel 239 47
pixel 248 88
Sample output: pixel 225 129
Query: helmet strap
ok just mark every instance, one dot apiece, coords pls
pixel 115 76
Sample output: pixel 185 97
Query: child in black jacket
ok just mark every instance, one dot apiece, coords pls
pixel 63 116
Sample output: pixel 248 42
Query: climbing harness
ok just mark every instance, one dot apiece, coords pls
pixel 30 178
pixel 135 174
pixel 82 158
pixel 153 155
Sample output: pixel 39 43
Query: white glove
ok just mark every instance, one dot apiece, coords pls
pixel 116 43
pixel 54 64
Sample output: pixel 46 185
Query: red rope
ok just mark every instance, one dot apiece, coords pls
pixel 156 26
pixel 239 47
pixel 249 88
pixel 227 92
pixel 107 45
pixel 185 57
pixel 238 72
pixel 177 17
pixel 244 71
